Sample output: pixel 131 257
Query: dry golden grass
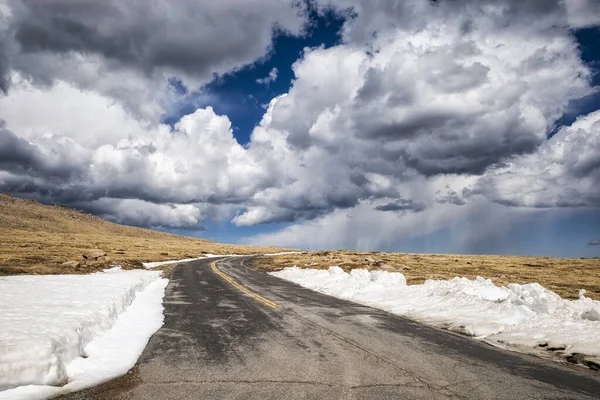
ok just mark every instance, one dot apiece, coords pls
pixel 565 276
pixel 37 239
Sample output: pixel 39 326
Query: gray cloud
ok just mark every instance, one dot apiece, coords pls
pixel 134 46
pixel 144 180
pixel 16 153
pixel 451 197
pixel 177 35
pixel 460 78
pixel 594 243
pixel 18 156
pixel 4 65
pixel 444 139
pixel 564 172
pixel 272 77
pixel 145 214
pixel 403 205
pixel 368 20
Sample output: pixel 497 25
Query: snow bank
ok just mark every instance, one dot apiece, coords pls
pixel 154 264
pixel 526 318
pixel 74 330
pixel 284 253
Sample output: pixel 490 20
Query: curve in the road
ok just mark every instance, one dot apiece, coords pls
pixel 235 284
pixel 223 338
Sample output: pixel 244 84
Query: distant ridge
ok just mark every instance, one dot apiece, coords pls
pixel 32 216
pixel 54 239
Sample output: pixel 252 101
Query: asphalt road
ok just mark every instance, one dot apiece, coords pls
pixel 241 334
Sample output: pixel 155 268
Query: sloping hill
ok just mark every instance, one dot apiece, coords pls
pixel 32 216
pixel 36 238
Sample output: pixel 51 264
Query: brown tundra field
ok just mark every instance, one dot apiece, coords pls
pixel 40 239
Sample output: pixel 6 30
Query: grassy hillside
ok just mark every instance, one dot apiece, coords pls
pixel 39 239
pixel 565 276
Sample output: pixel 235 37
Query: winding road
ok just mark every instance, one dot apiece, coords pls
pixel 232 332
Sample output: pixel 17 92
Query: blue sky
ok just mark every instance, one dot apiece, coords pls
pixel 588 39
pixel 242 99
pixel 239 96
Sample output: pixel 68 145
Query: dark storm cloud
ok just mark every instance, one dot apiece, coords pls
pixel 459 78
pixel 587 167
pixel 16 154
pixel 141 213
pixel 563 173
pixel 558 202
pixel 552 197
pixel 441 140
pixel 197 38
pixel 129 211
pixel 375 83
pixel 366 19
pixel 403 205
pixel 19 156
pixel 471 151
pixel 4 64
pixel 451 197
pixel 417 123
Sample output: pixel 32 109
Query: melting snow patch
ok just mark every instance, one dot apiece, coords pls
pixel 283 253
pixel 154 264
pixel 62 333
pixel 526 318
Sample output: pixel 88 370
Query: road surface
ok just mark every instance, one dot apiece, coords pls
pixel 231 332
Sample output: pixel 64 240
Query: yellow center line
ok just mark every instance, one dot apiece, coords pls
pixel 256 296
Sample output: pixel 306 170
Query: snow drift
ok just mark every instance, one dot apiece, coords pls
pixel 154 264
pixel 527 318
pixel 74 330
